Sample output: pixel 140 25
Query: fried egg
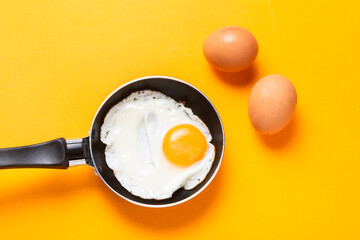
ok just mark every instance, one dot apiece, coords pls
pixel 156 145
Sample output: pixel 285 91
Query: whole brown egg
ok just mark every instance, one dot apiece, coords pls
pixel 231 49
pixel 272 103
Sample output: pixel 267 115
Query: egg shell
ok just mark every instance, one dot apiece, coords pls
pixel 272 103
pixel 231 49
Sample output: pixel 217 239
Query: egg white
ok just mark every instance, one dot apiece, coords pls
pixel 134 130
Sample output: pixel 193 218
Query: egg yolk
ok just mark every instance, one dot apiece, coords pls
pixel 184 145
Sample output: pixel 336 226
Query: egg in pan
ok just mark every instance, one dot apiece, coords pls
pixel 156 145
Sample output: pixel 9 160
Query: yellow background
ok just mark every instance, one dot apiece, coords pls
pixel 60 59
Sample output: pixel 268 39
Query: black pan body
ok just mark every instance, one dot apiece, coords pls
pixel 180 91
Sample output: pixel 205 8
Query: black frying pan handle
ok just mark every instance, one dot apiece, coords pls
pixel 52 154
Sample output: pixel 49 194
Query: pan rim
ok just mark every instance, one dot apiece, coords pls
pixel 167 204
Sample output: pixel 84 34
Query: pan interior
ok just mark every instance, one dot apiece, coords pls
pixel 179 91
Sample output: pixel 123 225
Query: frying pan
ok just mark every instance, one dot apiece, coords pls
pixel 61 153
